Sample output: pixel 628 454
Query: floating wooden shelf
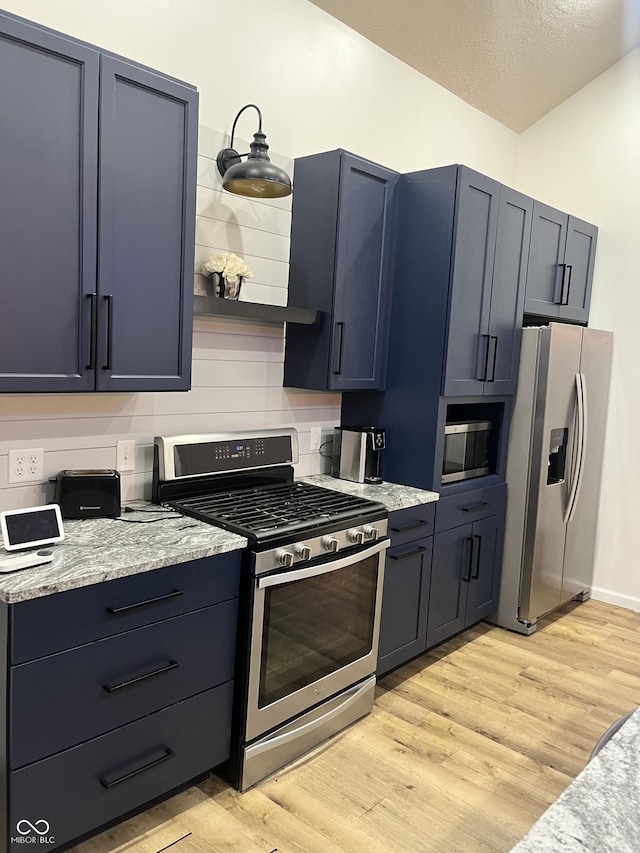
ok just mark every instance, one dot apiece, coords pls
pixel 211 306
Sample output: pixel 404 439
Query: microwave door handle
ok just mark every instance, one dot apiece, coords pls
pixel 577 466
pixel 314 571
pixel 582 416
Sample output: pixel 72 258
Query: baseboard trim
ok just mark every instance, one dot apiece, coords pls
pixel 628 601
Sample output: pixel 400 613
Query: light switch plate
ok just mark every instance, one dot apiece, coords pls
pixel 126 456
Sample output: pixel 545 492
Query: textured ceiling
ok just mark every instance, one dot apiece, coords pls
pixel 514 60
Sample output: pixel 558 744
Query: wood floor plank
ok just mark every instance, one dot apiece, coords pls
pixel 465 748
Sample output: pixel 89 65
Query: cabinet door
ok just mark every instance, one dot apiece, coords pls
pixel 486 562
pixel 450 577
pixel 48 151
pixel 579 261
pixel 362 277
pixel 468 342
pixel 403 626
pixel 148 130
pixel 546 272
pixel 507 292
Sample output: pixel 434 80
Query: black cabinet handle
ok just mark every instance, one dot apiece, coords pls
pixel 477 540
pixel 469 541
pixel 485 370
pixel 569 271
pixel 149 601
pixel 475 507
pixel 111 783
pixel 407 554
pixel 340 347
pixel 93 297
pixel 119 685
pixel 109 364
pixel 406 527
pixel 495 356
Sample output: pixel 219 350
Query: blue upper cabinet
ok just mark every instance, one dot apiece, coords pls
pixel 490 242
pixel 342 233
pixel 148 132
pixel 561 263
pixel 48 209
pixel 97 209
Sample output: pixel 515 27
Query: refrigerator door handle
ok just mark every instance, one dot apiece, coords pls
pixel 581 392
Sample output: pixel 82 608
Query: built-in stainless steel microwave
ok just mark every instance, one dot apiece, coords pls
pixel 468 450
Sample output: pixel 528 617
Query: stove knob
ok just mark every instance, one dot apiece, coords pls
pixel 356 536
pixel 285 558
pixel 303 552
pixel 330 543
pixel 371 532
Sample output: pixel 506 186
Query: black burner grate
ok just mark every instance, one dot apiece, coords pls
pixel 275 509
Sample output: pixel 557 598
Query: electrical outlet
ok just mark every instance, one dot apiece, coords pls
pixel 316 438
pixel 26 466
pixel 126 456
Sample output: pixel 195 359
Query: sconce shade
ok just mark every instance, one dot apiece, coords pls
pixel 257 176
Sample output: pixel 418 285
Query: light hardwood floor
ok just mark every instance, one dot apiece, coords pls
pixel 465 748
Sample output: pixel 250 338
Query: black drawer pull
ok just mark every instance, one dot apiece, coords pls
pixel 475 507
pixel 111 688
pixel 111 783
pixel 158 600
pixel 408 554
pixel 405 527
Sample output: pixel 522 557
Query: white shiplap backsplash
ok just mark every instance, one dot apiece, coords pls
pixel 237 366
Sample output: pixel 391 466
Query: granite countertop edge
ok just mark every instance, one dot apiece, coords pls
pixel 100 550
pixel 599 810
pixel 393 496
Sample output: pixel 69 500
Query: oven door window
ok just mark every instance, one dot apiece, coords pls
pixel 315 626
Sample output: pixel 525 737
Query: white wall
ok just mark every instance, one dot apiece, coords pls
pixel 584 157
pixel 320 86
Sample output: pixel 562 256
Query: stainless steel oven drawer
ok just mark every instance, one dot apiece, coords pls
pixel 67 698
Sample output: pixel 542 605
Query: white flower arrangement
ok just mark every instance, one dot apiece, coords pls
pixel 229 266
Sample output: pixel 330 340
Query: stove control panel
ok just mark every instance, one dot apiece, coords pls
pixel 318 546
pixel 221 453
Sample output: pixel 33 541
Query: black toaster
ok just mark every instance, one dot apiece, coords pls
pixel 88 494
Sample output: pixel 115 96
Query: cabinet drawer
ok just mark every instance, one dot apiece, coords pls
pixel 50 624
pixel 405 525
pixel 470 506
pixel 79 790
pixel 69 697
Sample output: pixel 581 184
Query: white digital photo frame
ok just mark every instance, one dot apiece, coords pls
pixel 28 528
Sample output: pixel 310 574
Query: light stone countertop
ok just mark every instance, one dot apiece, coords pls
pixel 102 549
pixel 392 495
pixel 600 811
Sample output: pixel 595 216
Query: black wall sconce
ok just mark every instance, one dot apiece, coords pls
pixel 256 177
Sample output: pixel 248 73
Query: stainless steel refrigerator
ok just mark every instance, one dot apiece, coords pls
pixel 554 466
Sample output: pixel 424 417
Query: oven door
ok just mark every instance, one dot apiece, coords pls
pixel 314 633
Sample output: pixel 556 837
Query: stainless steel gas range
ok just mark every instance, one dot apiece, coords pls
pixel 312 590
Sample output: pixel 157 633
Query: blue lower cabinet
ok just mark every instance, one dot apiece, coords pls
pixel 405 600
pixel 465 577
pixel 81 789
pixel 118 680
pixel 117 694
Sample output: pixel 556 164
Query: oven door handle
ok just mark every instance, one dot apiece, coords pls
pixel 313 571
